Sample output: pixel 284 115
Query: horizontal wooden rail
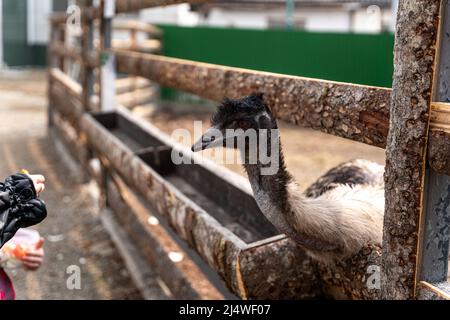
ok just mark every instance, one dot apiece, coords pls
pixel 439 138
pixel 146 45
pixel 73 87
pixel 356 112
pixel 184 279
pixel 136 5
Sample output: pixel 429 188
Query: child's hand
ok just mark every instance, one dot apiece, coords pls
pixel 34 257
pixel 38 181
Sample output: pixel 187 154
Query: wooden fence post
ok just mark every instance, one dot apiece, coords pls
pixel 414 60
pixel 87 46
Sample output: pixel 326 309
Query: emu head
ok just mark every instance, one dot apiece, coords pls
pixel 237 119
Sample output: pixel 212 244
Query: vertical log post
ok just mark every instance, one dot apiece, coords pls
pixel 435 242
pixel 414 59
pixel 107 69
pixel 62 39
pixel 53 61
pixel 88 78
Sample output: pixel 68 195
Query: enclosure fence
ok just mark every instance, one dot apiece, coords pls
pixel 411 121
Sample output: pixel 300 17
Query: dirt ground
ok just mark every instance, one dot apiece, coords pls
pixel 74 235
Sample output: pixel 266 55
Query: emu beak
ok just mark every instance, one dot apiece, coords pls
pixel 213 137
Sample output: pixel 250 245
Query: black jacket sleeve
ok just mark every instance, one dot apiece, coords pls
pixel 19 206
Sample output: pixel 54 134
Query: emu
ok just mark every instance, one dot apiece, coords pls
pixel 337 215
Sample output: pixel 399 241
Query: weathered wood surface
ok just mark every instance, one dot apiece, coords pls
pixel 136 5
pixel 184 279
pixel 416 36
pixel 355 278
pixel 433 265
pixel 70 107
pixel 70 137
pixel 351 111
pixel 66 95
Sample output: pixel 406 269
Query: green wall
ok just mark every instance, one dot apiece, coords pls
pixel 357 58
pixel 16 51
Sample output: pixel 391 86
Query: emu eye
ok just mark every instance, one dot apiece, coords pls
pixel 244 124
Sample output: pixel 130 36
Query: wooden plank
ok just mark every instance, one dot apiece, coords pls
pixel 351 111
pixel 218 246
pixel 128 84
pixel 147 45
pixel 297 277
pixel 123 6
pixel 72 87
pixel 145 278
pixel 184 279
pixel 415 51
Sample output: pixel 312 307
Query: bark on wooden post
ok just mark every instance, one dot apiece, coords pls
pixel 416 34
pixel 350 111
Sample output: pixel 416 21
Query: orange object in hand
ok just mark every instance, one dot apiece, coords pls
pixel 16 251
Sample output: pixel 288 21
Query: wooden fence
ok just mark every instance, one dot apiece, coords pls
pixel 410 121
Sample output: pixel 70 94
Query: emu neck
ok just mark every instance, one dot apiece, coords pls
pixel 271 195
pixel 273 187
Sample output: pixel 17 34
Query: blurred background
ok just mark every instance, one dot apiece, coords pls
pixel 340 40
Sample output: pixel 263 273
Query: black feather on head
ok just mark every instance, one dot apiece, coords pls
pixel 229 108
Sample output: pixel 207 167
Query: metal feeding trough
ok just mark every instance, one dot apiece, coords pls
pixel 209 207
